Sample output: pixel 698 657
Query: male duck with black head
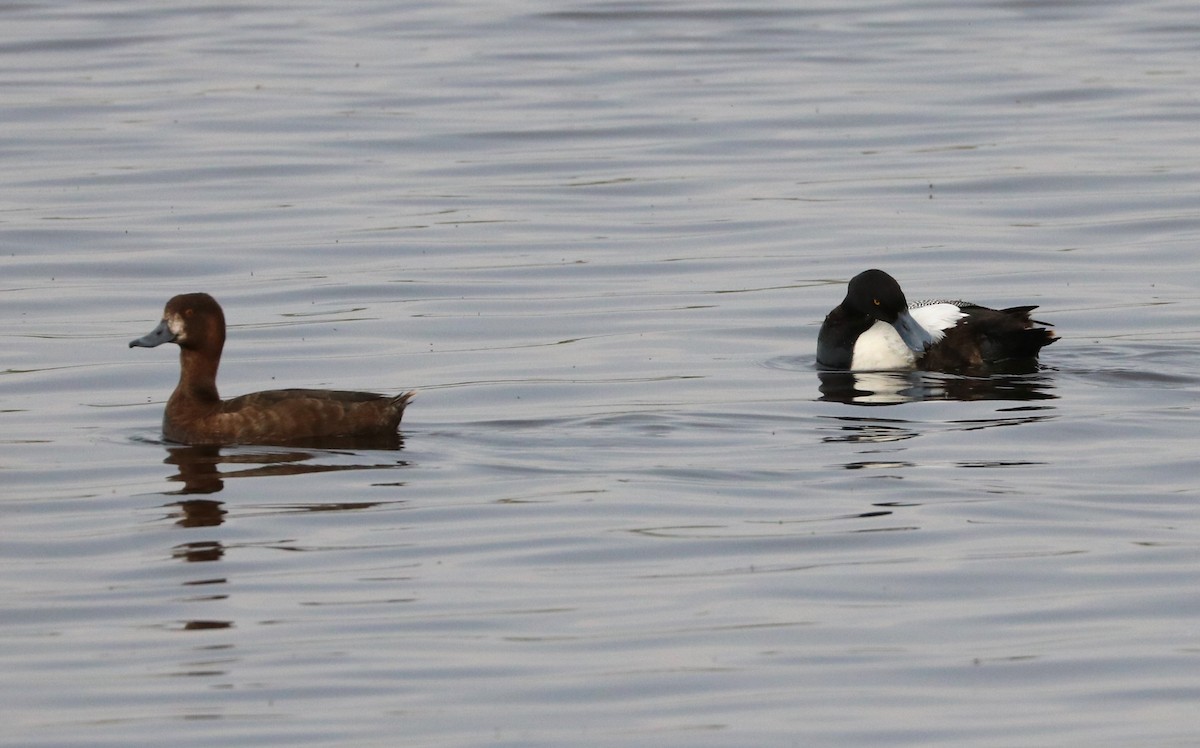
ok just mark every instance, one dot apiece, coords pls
pixel 196 414
pixel 875 328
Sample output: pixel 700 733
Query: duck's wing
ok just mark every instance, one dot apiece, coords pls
pixel 988 337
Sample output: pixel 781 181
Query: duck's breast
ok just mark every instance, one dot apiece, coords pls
pixel 880 348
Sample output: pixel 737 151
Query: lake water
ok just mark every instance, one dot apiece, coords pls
pixel 599 239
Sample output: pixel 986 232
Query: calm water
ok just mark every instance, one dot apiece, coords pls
pixel 599 239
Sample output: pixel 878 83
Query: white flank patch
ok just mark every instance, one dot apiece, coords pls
pixel 937 318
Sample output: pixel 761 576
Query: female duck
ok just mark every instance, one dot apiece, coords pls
pixel 196 414
pixel 875 328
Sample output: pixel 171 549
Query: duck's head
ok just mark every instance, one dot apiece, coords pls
pixel 876 294
pixel 193 321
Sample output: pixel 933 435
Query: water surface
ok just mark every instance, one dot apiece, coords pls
pixel 599 239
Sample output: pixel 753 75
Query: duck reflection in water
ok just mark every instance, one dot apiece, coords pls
pixel 200 466
pixel 894 387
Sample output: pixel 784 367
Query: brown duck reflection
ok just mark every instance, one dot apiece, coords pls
pixel 893 387
pixel 203 469
pixel 198 513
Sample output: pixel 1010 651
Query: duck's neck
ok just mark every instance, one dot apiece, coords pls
pixel 198 375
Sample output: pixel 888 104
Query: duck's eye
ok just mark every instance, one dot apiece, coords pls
pixel 876 302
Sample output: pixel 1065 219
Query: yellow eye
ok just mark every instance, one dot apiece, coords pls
pixel 876 302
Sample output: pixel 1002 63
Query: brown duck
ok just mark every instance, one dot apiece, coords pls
pixel 196 414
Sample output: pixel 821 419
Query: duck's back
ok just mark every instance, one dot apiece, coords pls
pixel 986 337
pixel 281 416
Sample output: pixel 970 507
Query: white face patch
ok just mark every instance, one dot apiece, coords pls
pixel 175 325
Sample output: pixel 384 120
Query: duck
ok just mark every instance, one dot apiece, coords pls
pixel 876 329
pixel 196 414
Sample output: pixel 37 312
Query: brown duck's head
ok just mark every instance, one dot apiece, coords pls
pixel 193 321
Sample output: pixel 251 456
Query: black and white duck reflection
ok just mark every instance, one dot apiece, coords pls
pixel 875 347
pixel 893 387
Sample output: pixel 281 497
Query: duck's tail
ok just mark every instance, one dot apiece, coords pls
pixel 1023 340
pixel 402 400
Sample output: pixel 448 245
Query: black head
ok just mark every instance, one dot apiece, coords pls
pixel 876 294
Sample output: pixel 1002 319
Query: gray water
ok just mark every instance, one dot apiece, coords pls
pixel 599 238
